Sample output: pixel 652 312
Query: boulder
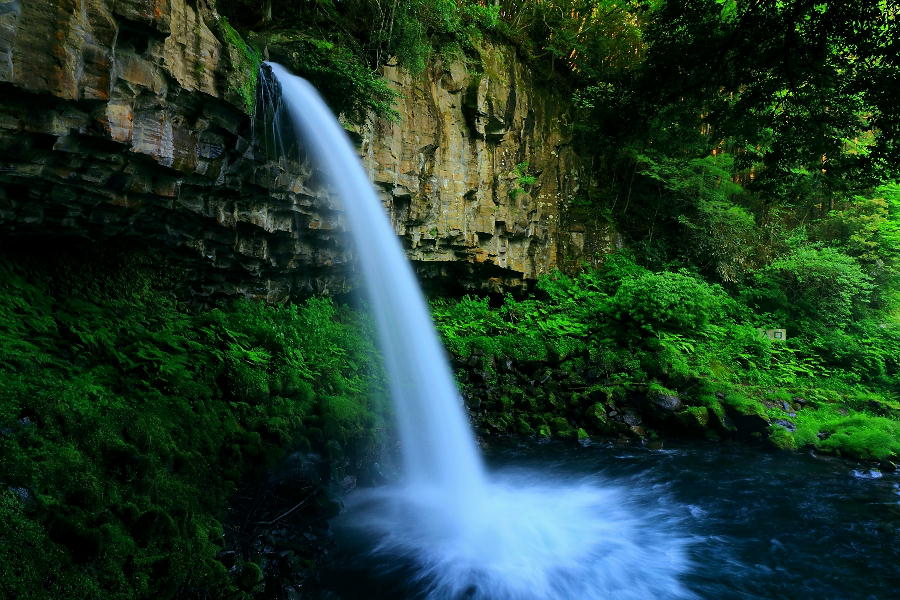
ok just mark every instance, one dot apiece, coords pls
pixel 667 403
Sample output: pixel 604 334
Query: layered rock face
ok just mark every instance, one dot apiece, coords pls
pixel 124 119
pixel 127 119
pixel 479 173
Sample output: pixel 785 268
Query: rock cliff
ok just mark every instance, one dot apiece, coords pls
pixel 479 173
pixel 127 119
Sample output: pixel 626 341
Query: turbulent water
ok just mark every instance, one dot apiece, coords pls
pixel 532 536
pixel 755 525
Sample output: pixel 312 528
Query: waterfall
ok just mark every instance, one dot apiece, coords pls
pixel 528 536
pixel 437 443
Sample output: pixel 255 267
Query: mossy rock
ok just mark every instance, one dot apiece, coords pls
pixel 522 426
pixel 694 418
pixel 241 79
pixel 782 438
pixel 561 427
pixel 249 576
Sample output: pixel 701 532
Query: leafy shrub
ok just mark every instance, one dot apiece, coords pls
pixel 672 301
pixel 812 285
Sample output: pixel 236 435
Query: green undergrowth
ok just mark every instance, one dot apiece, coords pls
pixel 669 351
pixel 855 424
pixel 350 86
pixel 127 419
pixel 245 63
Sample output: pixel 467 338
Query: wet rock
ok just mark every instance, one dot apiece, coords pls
pixel 666 402
pixel 228 558
pixel 631 419
pixel 293 593
pixel 655 444
pixel 639 431
pixel 749 425
pixel 786 424
pixel 23 494
pixel 347 484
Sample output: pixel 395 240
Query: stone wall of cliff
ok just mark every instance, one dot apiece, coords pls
pixel 124 119
pixel 480 175
pixel 127 120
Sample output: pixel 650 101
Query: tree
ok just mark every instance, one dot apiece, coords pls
pixel 812 286
pixel 801 79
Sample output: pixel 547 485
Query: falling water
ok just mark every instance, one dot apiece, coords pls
pixel 438 447
pixel 468 535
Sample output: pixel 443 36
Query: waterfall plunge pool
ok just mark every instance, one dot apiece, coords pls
pixel 553 523
pixel 705 521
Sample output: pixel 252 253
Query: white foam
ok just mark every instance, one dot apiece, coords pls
pixel 529 537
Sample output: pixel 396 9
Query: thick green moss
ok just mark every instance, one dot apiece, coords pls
pixel 127 419
pixel 245 63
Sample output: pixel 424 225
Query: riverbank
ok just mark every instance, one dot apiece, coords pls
pixel 153 448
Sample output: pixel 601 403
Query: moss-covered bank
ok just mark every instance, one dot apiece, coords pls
pixel 128 419
pixel 628 351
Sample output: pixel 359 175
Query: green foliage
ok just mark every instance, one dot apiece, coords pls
pixel 867 227
pixel 127 420
pixel 624 331
pixel 726 61
pixel 674 301
pixel 524 180
pixel 812 286
pixel 586 39
pixel 351 87
pixel 245 63
pixel 714 150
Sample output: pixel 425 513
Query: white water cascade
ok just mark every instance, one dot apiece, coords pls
pixel 467 534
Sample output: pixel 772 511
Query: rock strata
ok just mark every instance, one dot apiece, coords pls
pixel 127 119
pixel 124 119
pixel 480 170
